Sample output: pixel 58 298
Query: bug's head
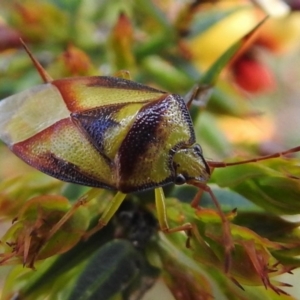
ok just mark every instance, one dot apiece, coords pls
pixel 190 166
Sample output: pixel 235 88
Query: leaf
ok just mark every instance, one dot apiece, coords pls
pixel 210 77
pixel 212 74
pixel 275 191
pixel 229 200
pixel 28 240
pixel 269 226
pixel 204 20
pixel 210 134
pixel 15 191
pixel 111 270
pixel 226 101
pixel 121 41
pixel 56 274
pixel 252 262
pixel 165 74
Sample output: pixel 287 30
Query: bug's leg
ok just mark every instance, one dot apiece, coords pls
pixel 123 74
pixel 107 214
pixel 227 238
pixel 162 214
pixel 219 164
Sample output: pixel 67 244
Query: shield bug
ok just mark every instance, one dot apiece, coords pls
pixel 112 133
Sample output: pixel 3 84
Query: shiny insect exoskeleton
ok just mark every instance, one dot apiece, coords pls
pixel 112 133
pixel 104 132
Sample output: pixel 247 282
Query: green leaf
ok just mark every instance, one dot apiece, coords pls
pixel 204 20
pixel 49 278
pixel 165 74
pixel 275 191
pixel 211 137
pixel 212 74
pixel 269 226
pixel 109 272
pixel 225 100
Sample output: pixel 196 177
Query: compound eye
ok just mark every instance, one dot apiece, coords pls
pixel 198 148
pixel 180 179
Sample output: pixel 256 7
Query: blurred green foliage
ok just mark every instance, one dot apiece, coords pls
pixel 154 41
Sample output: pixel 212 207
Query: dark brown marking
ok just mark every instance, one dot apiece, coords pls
pixel 59 168
pixel 50 163
pixel 95 122
pixel 66 171
pixel 141 134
